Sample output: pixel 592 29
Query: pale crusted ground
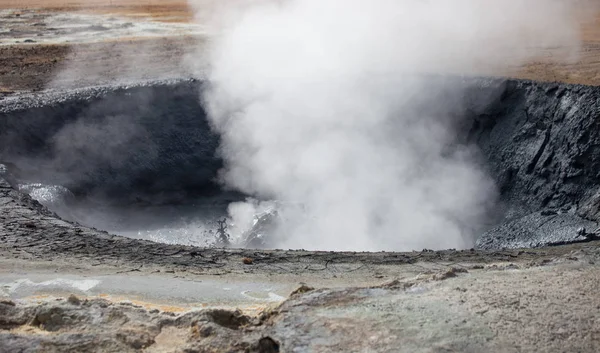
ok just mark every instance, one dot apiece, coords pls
pixel 32 66
pixel 514 306
pixel 166 10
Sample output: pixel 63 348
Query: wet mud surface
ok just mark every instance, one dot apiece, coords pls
pixel 30 231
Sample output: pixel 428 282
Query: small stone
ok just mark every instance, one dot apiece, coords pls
pixel 452 272
pixel 302 289
pixel 135 338
pixel 247 261
pixel 206 331
pixel 73 300
pixel 267 345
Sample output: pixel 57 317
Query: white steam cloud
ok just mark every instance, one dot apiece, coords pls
pixel 325 103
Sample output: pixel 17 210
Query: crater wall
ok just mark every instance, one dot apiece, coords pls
pixel 153 144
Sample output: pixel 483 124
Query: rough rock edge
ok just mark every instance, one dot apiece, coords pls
pixel 25 101
pixel 100 325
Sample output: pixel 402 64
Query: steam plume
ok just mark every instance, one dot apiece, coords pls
pixel 325 103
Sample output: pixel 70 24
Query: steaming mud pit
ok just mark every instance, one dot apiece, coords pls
pixel 143 161
pixel 139 161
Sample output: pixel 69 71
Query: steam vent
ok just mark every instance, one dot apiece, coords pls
pixel 300 176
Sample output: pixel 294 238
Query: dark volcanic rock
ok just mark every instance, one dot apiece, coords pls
pixel 537 229
pixel 542 144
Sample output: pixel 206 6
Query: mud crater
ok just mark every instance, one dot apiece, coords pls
pixel 142 161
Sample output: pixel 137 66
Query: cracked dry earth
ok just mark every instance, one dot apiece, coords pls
pixel 450 301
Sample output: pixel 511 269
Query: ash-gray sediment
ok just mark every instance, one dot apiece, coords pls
pixel 152 144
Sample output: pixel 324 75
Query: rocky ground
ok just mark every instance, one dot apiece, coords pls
pixel 463 301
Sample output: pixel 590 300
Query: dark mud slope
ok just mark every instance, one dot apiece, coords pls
pixel 153 144
pixel 145 144
pixel 542 145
